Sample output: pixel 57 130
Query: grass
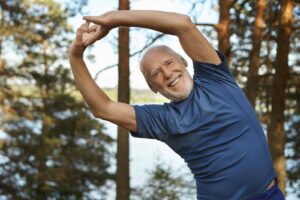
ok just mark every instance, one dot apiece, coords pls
pixel 137 96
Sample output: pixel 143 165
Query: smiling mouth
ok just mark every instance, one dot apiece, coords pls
pixel 174 82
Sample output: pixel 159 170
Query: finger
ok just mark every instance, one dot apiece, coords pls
pixel 93 39
pixel 94 19
pixel 89 42
pixel 93 28
pixel 79 34
pixel 86 25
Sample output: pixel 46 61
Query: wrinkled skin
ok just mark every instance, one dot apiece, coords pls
pixel 166 72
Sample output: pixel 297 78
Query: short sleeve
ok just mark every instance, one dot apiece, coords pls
pixel 151 121
pixel 214 72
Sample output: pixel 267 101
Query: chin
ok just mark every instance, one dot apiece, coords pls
pixel 176 97
pixel 182 92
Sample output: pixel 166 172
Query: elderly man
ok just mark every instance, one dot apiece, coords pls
pixel 208 122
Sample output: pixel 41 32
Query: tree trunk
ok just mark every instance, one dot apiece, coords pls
pixel 223 29
pixel 123 184
pixel 1 40
pixel 41 190
pixel 1 65
pixel 276 133
pixel 252 82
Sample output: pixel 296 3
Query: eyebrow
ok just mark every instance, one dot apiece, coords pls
pixel 164 62
pixel 154 71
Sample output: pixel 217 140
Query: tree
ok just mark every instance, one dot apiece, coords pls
pixel 223 29
pixel 162 184
pixel 254 60
pixel 276 132
pixel 292 108
pixel 123 185
pixel 53 147
pixel 293 157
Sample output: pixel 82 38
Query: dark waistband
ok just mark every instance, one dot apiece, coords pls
pixel 268 192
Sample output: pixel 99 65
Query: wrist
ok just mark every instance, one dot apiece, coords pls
pixel 75 55
pixel 76 52
pixel 112 18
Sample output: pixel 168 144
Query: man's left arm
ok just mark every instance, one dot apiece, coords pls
pixel 197 46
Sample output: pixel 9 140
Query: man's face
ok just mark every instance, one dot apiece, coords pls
pixel 165 71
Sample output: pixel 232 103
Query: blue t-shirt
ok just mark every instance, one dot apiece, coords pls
pixel 216 132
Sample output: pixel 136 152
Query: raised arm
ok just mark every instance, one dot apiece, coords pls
pixel 192 40
pixel 100 104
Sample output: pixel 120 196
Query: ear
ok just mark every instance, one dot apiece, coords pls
pixel 184 61
pixel 151 87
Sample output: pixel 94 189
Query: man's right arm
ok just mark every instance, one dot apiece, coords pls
pixel 191 39
pixel 100 104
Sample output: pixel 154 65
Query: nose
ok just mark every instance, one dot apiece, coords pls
pixel 167 73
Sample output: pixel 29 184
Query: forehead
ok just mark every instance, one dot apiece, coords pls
pixel 156 55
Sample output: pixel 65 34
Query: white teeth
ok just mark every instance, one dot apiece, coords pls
pixel 175 81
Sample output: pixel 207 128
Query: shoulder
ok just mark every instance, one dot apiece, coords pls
pixel 222 57
pixel 213 72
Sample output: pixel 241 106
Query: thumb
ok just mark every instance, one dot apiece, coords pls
pixel 79 34
pixel 94 19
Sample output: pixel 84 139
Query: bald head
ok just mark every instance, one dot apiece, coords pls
pixel 165 72
pixel 153 53
pixel 157 60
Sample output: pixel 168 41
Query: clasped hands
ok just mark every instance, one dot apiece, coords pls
pixel 87 34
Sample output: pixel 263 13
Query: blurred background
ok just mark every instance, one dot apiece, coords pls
pixel 51 146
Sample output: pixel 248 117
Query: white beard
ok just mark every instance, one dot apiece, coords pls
pixel 178 96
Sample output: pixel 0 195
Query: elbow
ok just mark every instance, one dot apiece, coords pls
pixel 100 115
pixel 97 114
pixel 102 112
pixel 186 24
pixel 187 20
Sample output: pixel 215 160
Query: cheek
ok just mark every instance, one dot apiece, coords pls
pixel 157 82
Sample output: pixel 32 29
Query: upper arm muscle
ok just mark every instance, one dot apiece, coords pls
pixel 196 45
pixel 121 114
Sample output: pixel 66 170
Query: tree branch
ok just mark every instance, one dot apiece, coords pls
pixel 206 24
pixel 158 36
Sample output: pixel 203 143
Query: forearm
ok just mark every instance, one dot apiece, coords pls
pixel 94 96
pixel 166 22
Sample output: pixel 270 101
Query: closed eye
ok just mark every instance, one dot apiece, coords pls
pixel 169 62
pixel 156 73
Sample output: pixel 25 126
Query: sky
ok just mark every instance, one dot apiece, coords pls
pixel 105 51
pixel 106 54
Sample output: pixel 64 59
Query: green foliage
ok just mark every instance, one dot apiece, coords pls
pixel 242 17
pixel 242 25
pixel 54 148
pixel 138 96
pixel 293 155
pixel 165 183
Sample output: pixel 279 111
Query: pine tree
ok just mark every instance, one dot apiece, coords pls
pixel 162 184
pixel 276 132
pixel 53 148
